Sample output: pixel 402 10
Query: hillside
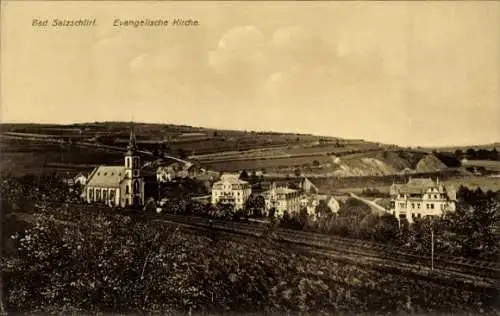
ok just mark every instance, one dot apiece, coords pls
pixel 225 150
pixel 430 163
pixel 383 163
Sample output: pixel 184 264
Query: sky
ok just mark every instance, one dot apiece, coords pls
pixel 396 72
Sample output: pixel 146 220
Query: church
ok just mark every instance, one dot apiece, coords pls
pixel 118 186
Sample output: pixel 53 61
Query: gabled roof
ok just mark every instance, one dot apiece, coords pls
pixel 421 182
pixel 106 176
pixel 420 186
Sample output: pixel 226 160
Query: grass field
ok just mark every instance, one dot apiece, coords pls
pixel 19 157
pixel 487 164
pixel 472 182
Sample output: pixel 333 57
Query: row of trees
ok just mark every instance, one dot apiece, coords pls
pixel 473 230
pixel 480 154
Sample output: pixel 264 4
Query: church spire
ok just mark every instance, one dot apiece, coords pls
pixel 132 145
pixel 132 142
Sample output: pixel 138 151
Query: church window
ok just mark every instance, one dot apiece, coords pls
pixel 105 195
pixel 91 194
pixel 127 190
pixel 98 195
pixel 136 187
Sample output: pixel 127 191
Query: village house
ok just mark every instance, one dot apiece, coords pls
pixel 310 202
pixel 419 198
pixel 301 184
pixel 178 170
pixel 117 185
pixel 282 199
pixel 78 179
pixel 331 202
pixel 231 190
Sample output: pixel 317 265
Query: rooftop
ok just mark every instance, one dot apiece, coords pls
pixel 106 176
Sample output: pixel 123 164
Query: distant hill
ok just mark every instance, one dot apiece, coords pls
pixel 269 152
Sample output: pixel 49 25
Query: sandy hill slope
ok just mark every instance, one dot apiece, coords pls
pixel 364 166
pixel 388 163
pixel 430 163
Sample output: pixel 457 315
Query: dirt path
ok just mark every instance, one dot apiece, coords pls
pixel 374 206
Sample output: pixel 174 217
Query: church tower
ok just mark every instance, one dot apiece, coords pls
pixel 134 186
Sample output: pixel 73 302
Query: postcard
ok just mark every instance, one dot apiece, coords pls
pixel 249 158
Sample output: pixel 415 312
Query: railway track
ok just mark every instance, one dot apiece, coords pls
pixel 490 270
pixel 347 246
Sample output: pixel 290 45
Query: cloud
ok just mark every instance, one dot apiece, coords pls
pixel 239 49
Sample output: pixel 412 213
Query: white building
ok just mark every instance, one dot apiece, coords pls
pixel 282 199
pixel 332 203
pixel 231 190
pixel 117 185
pixel 79 179
pixel 421 197
pixel 310 202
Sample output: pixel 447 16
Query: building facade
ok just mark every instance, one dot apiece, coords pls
pixel 421 197
pixel 117 185
pixel 231 190
pixel 282 199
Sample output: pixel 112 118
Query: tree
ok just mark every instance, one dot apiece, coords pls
pixel 316 163
pixel 244 175
pixel 471 153
pixel 297 172
pixel 473 229
pixel 181 153
pixel 387 228
pixel 368 226
pixel 323 210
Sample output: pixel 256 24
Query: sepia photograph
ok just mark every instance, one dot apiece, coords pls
pixel 249 157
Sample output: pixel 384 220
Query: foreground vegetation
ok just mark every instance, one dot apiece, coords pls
pixel 116 263
pixel 65 258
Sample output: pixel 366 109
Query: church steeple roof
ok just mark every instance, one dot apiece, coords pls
pixel 132 145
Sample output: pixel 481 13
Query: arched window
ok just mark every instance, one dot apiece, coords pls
pixel 91 194
pixel 105 195
pixel 127 189
pixel 136 186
